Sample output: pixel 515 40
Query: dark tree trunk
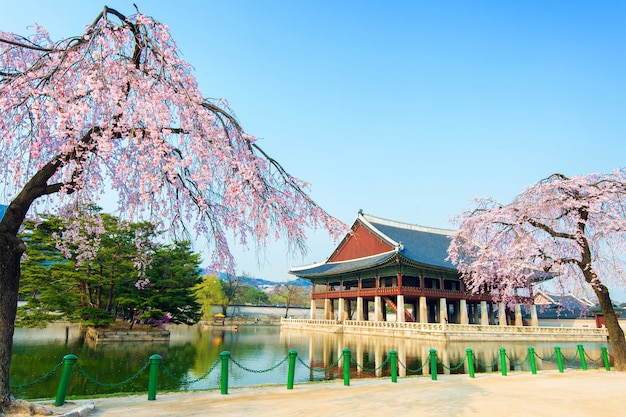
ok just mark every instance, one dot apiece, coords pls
pixel 616 334
pixel 110 299
pixel 11 250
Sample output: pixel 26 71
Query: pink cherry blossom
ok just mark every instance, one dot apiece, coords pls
pixel 571 231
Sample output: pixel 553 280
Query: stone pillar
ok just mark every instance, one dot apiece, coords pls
pixel 443 311
pixel 463 318
pixel 341 309
pixel 346 310
pixel 519 322
pixel 400 308
pixel 328 309
pixel 378 308
pixel 423 317
pixel 484 314
pixel 313 310
pixel 534 320
pixel 359 309
pixel 502 314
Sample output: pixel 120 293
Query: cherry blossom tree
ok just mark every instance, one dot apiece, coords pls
pixel 569 230
pixel 117 111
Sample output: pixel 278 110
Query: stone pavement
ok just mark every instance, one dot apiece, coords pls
pixel 549 393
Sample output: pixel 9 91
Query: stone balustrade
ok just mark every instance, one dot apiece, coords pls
pixel 451 331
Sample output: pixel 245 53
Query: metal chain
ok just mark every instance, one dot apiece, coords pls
pixel 593 360
pixel 112 385
pixel 41 378
pixel 567 360
pixel 184 381
pixel 548 359
pixel 261 370
pixel 320 369
pixel 368 369
pixel 412 370
pixel 517 363
pixel 494 363
pixel 456 367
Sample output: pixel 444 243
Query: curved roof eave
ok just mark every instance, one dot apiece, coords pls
pixel 333 269
pixel 327 269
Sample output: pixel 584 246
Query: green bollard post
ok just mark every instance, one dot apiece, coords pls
pixel 155 362
pixel 347 358
pixel 503 361
pixel 559 358
pixel 433 364
pixel 393 363
pixel 292 368
pixel 68 363
pixel 581 354
pixel 470 362
pixel 531 360
pixel 605 357
pixel 224 356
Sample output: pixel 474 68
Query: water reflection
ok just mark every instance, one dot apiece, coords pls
pixel 193 351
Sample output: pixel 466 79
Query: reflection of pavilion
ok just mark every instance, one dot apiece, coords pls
pixel 372 352
pixel 386 265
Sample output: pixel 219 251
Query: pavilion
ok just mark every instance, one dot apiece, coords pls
pixel 403 266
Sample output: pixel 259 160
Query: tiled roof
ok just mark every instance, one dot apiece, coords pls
pixel 414 244
pixel 424 245
pixel 343 267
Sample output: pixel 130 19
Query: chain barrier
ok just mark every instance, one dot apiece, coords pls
pixel 492 365
pixel 572 360
pixel 41 378
pixel 385 362
pixel 111 385
pixel 260 371
pixel 186 382
pixel 412 370
pixel 526 359
pixel 336 363
pixel 548 359
pixel 593 360
pixel 455 368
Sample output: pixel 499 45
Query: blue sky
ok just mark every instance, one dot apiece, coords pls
pixel 405 109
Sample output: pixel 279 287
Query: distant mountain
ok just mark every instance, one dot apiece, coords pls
pixel 260 282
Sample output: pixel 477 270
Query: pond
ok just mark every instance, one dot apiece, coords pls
pixel 190 360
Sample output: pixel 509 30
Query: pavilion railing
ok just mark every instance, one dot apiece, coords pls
pixel 449 328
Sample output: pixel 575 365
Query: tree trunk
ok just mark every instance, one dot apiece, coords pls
pixel 11 250
pixel 110 300
pixel 616 334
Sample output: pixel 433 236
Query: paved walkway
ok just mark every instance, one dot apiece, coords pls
pixel 549 393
